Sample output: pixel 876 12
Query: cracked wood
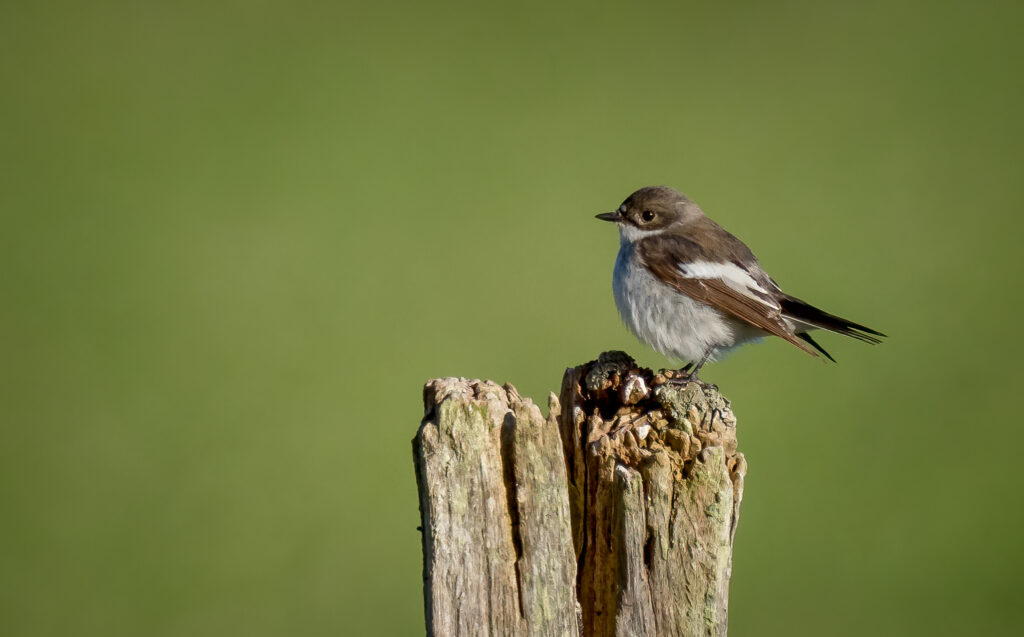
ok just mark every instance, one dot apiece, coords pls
pixel 497 553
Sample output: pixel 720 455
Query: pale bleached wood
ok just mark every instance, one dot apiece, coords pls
pixel 632 479
pixel 498 556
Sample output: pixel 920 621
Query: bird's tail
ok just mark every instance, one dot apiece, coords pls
pixel 811 316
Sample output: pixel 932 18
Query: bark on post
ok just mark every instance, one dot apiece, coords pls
pixel 624 526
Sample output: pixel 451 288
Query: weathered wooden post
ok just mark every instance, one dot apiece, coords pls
pixel 613 516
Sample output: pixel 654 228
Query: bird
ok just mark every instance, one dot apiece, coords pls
pixel 692 291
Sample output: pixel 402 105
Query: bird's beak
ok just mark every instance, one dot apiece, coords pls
pixel 609 216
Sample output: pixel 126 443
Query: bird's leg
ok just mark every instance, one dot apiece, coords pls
pixel 700 364
pixel 690 371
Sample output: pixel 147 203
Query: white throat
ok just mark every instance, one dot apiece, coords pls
pixel 630 233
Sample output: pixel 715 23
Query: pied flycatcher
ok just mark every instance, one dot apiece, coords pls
pixel 692 291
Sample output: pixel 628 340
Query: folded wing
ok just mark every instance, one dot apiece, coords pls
pixel 728 278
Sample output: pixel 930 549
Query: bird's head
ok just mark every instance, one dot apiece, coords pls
pixel 652 209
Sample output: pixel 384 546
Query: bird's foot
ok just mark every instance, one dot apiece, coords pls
pixel 685 379
pixel 685 376
pixel 680 376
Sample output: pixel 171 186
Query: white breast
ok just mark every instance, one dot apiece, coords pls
pixel 670 322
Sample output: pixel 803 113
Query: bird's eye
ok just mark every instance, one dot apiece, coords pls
pixel 647 215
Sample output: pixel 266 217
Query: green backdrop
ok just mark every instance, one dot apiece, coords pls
pixel 237 237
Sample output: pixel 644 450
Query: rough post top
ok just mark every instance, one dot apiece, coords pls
pixel 649 410
pixel 636 406
pixel 437 390
pixel 498 399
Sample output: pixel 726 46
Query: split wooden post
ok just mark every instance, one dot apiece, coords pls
pixel 615 515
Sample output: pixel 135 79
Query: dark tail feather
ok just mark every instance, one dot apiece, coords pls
pixel 807 313
pixel 810 341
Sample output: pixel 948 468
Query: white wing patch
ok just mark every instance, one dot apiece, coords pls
pixel 732 275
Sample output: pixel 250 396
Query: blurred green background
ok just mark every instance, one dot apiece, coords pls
pixel 237 237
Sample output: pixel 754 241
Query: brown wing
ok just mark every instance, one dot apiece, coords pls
pixel 664 254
